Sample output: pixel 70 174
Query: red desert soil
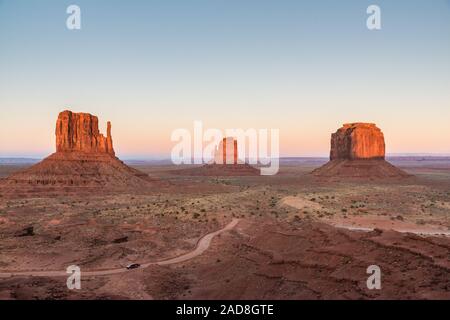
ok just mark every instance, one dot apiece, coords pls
pixel 219 170
pixel 201 246
pixel 266 259
pixel 269 259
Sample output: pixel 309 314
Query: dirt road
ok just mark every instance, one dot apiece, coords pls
pixel 202 245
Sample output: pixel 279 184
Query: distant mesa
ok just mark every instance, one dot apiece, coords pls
pixel 84 158
pixel 226 162
pixel 226 152
pixel 358 151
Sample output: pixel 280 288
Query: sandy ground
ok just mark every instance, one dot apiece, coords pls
pixel 298 238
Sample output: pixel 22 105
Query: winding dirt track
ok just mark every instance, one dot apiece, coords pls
pixel 202 245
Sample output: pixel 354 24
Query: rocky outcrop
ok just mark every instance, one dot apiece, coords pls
pixel 84 162
pixel 225 163
pixel 362 169
pixel 226 152
pixel 358 151
pixel 79 132
pixel 357 141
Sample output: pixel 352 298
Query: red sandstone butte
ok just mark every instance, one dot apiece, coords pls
pixel 79 132
pixel 357 141
pixel 226 152
pixel 84 161
pixel 358 151
pixel 225 163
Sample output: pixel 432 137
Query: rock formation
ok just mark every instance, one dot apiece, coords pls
pixel 225 163
pixel 226 152
pixel 357 141
pixel 79 132
pixel 84 160
pixel 358 151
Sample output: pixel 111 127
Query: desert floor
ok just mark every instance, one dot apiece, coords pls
pixel 297 237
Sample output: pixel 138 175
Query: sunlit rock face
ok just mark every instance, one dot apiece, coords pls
pixel 358 151
pixel 356 141
pixel 79 132
pixel 227 152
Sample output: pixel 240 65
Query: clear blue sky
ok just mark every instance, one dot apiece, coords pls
pixel 150 67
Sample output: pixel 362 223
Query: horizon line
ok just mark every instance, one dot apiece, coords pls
pixel 164 158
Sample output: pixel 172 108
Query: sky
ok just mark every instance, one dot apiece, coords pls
pixel 150 67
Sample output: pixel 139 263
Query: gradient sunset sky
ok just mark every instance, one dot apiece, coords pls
pixel 304 67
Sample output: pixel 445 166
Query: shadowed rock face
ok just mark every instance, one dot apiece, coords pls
pixel 79 132
pixel 357 141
